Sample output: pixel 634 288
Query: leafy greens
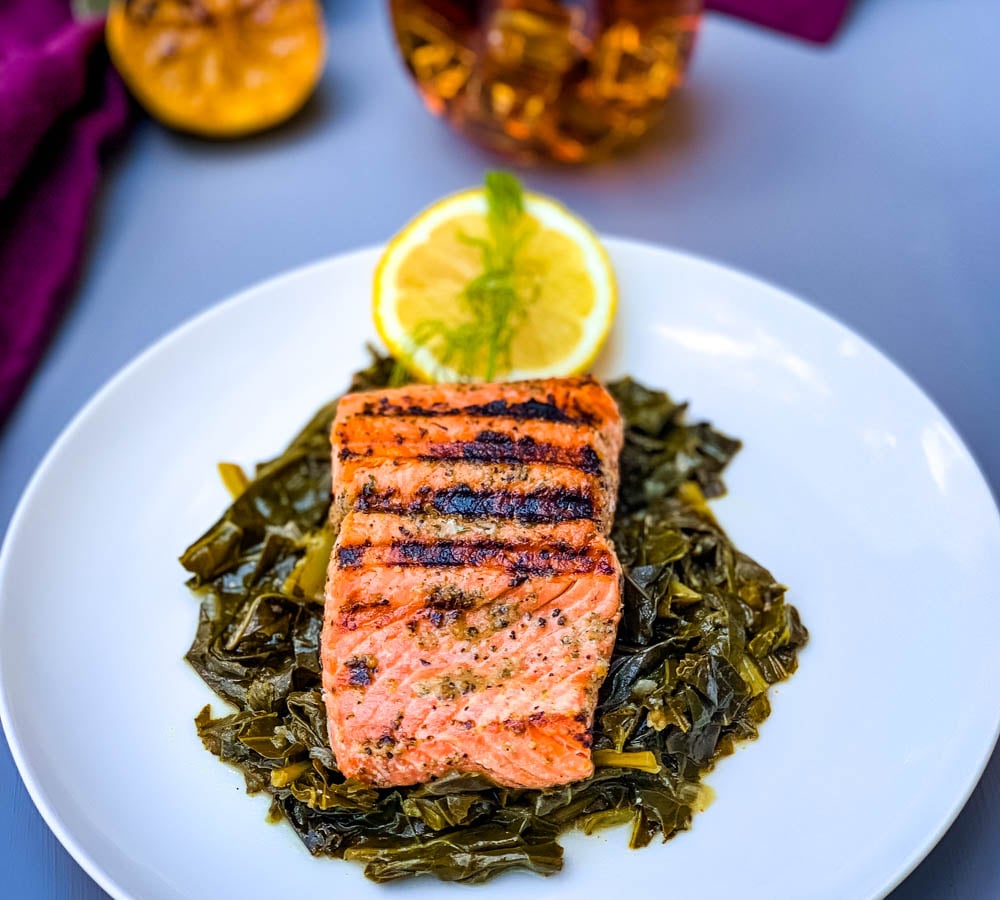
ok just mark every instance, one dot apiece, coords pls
pixel 705 632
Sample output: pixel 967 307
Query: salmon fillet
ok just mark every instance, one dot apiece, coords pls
pixel 473 596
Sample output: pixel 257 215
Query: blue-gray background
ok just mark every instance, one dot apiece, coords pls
pixel 864 177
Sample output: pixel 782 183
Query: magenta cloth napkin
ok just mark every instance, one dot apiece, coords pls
pixel 60 105
pixel 814 20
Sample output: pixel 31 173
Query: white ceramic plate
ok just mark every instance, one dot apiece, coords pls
pixel 852 487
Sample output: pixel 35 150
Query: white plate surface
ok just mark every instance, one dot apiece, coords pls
pixel 852 488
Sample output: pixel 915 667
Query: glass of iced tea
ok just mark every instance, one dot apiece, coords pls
pixel 570 80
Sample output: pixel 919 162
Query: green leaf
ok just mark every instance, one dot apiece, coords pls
pixel 643 760
pixel 505 206
pixel 471 856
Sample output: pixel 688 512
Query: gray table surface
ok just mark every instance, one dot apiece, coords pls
pixel 864 177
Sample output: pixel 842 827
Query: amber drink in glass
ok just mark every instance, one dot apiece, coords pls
pixel 571 81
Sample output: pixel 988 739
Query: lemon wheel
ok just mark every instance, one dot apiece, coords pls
pixel 561 266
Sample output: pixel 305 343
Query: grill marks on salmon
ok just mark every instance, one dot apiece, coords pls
pixel 465 502
pixel 443 541
pixel 450 415
pixel 581 400
pixel 473 596
pixel 475 490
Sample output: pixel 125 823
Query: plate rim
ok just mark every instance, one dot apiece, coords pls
pixel 33 785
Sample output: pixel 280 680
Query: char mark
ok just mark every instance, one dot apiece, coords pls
pixel 350 557
pixel 532 410
pixel 530 562
pixel 523 562
pixel 544 505
pixel 496 447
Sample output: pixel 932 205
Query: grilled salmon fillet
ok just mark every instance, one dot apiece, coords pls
pixel 473 596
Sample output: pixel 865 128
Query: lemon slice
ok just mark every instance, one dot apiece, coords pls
pixel 218 68
pixel 561 269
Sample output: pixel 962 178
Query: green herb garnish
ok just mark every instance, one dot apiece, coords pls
pixel 496 300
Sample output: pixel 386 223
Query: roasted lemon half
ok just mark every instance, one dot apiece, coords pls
pixel 218 68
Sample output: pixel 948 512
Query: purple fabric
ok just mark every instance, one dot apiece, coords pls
pixel 814 20
pixel 60 104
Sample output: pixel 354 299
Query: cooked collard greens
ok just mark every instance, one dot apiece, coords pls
pixel 705 632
